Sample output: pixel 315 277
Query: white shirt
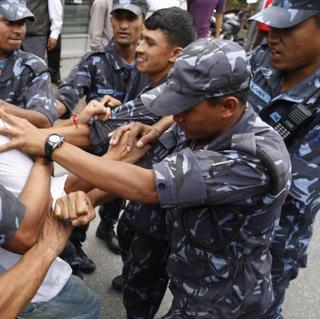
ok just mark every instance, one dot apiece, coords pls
pixel 56 17
pixel 15 167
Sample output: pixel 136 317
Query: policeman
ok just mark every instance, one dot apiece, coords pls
pixel 112 72
pixel 25 88
pixel 285 90
pixel 222 182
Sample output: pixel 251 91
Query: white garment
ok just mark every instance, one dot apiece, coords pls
pixel 15 167
pixel 56 17
pixel 156 4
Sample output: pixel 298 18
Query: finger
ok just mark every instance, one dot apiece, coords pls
pixel 8 146
pixel 147 139
pixel 117 134
pixel 82 203
pixel 134 132
pixel 105 100
pixel 60 210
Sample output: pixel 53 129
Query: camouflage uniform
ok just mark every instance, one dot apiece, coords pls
pixel 98 74
pixel 292 238
pixel 25 82
pixel 289 248
pixel 222 203
pixel 141 229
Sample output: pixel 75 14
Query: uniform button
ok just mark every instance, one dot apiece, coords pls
pixel 162 186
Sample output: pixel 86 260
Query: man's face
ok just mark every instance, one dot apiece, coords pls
pixel 296 48
pixel 126 27
pixel 154 54
pixel 12 34
pixel 203 121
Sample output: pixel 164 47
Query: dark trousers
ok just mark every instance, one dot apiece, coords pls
pixel 144 272
pixel 54 57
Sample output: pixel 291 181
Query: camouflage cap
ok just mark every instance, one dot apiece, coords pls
pixel 14 10
pixel 135 6
pixel 206 68
pixel 287 13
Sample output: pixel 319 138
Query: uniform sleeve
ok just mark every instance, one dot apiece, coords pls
pixel 11 215
pixel 75 86
pixel 188 179
pixel 305 158
pixel 39 96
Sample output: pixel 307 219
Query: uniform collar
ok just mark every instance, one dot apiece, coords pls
pixel 275 78
pixel 116 61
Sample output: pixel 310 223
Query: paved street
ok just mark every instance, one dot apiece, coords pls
pixel 302 302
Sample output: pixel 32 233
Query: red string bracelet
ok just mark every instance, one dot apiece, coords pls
pixel 74 118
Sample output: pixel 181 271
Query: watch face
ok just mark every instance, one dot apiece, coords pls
pixel 54 138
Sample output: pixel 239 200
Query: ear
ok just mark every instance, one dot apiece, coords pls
pixel 174 52
pixel 230 105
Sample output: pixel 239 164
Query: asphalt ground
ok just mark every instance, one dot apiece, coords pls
pixel 302 300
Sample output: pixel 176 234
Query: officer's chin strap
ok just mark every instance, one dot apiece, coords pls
pixel 275 190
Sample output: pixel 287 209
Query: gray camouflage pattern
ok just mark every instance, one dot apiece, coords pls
pixel 25 82
pixel 215 186
pixel 287 13
pixel 14 10
pixel 293 235
pixel 101 73
pixel 206 68
pixel 11 215
pixel 136 6
pixel 128 112
pixel 141 229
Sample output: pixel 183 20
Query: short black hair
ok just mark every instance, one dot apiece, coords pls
pixel 242 96
pixel 176 23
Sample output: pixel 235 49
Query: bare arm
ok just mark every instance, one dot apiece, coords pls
pixel 37 200
pixel 79 136
pixel 36 118
pixel 219 19
pixel 20 283
pixel 60 109
pixel 117 178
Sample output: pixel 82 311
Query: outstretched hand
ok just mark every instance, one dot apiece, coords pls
pixel 23 134
pixel 120 151
pixel 145 134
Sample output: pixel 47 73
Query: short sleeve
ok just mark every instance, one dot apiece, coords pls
pixel 11 214
pixel 189 179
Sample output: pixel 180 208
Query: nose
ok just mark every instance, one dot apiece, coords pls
pixel 274 36
pixel 18 27
pixel 139 47
pixel 124 24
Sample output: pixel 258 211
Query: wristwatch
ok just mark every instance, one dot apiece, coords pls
pixel 53 142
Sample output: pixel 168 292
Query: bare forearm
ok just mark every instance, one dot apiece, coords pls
pixel 36 118
pixel 79 136
pixel 37 200
pixel 99 197
pixel 19 284
pixel 117 178
pixel 60 109
pixel 219 18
